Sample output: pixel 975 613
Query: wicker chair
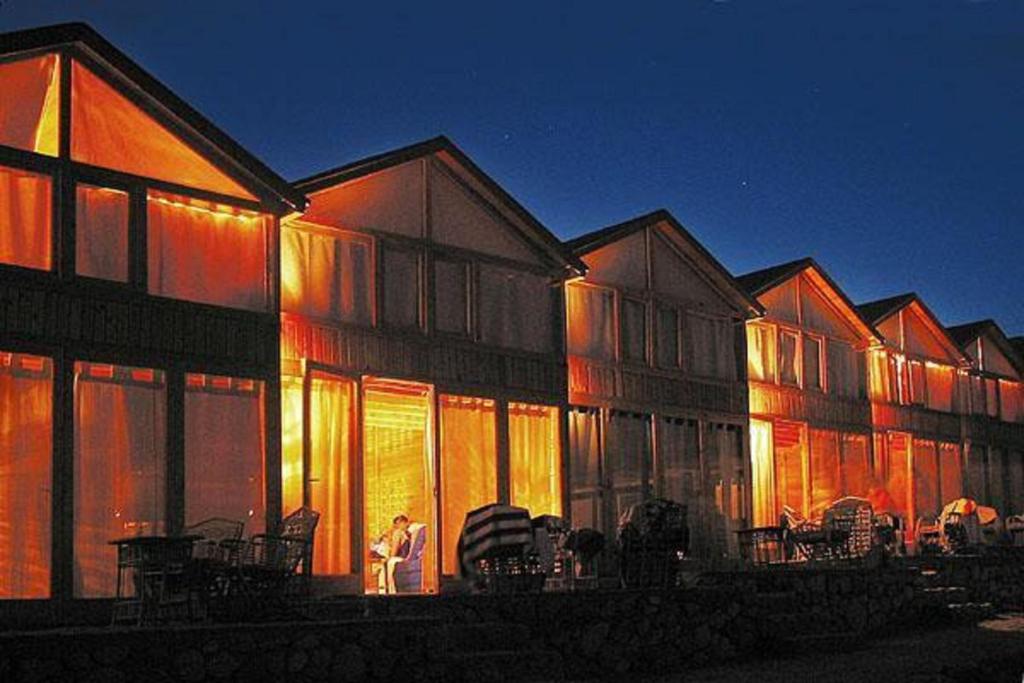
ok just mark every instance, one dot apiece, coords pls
pixel 220 540
pixel 269 564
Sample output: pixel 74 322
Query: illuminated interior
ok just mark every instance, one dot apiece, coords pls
pixel 30 120
pixel 224 450
pixel 898 473
pixel 205 252
pixel 120 467
pixel 469 469
pixel 292 474
pixel 101 233
pixel 331 433
pixel 398 466
pixel 26 446
pixel 789 444
pixel 327 276
pixel 535 460
pixel 108 130
pixel 25 218
pixel 762 473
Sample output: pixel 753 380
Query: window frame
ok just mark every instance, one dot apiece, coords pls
pixel 471 290
pixel 380 274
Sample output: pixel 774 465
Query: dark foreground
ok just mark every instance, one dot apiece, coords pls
pixel 989 652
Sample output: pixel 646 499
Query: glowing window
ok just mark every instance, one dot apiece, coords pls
pixel 327 276
pixel 120 467
pixel 789 369
pixel 761 352
pixel 824 470
pixel 26 439
pixel 25 218
pixel 110 131
pixel 331 440
pixel 101 233
pixel 224 437
pixel 790 476
pixel 469 474
pixel 855 465
pixel 917 385
pixel 951 478
pixel 812 363
pixel 535 460
pixel 590 312
pixel 29 109
pixel 208 253
pixel 292 472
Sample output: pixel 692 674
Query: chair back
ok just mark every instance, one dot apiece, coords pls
pixel 214 532
pixel 300 524
pixel 417 541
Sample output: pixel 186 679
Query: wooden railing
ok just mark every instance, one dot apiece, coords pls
pixel 421 357
pixel 917 420
pixel 793 403
pixel 133 324
pixel 989 430
pixel 646 388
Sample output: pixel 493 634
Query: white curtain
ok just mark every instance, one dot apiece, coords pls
pixel 331 405
pixel 326 277
pixel 591 315
pixel 760 352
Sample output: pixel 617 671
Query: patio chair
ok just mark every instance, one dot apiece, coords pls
pixel 653 537
pixel 220 539
pixel 409 572
pixel 269 564
pixel 849 520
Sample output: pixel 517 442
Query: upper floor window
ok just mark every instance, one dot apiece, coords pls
pixel 25 218
pixel 666 337
pixel 789 360
pixel 1011 401
pixel 208 253
pixel 327 276
pixel 515 309
pixel 590 312
pixel 451 297
pixel 761 352
pixel 30 106
pixel 709 346
pixel 812 363
pixel 634 330
pixel 101 232
pixel 844 370
pixel 401 291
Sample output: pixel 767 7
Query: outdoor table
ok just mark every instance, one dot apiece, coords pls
pixel 156 567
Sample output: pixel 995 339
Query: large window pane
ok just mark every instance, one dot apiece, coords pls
pixel 789 370
pixel 591 315
pixel 709 347
pixel 917 391
pixel 535 458
pixel 790 475
pixel 451 297
pixel 29 108
pixel 926 479
pixel 25 225
pixel 120 467
pixel 101 233
pixel 824 465
pixel 328 277
pixel 585 467
pixel 469 471
pixel 331 438
pixel 634 331
pixel 206 252
pixel 292 472
pixel 855 464
pixel 812 363
pixel 515 309
pixel 723 454
pixel 951 482
pixel 762 473
pixel 26 444
pixel 666 340
pixel 844 371
pixel 898 475
pixel 224 448
pixel 1009 400
pixel 627 459
pixel 401 287
pixel 761 352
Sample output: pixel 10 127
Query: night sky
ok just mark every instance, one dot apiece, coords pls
pixel 885 139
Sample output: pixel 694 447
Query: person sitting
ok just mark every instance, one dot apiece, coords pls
pixel 392 548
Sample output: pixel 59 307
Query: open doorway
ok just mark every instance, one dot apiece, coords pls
pixel 398 482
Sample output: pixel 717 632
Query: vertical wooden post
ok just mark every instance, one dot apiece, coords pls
pixel 175 448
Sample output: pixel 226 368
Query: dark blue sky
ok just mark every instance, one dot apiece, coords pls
pixel 886 139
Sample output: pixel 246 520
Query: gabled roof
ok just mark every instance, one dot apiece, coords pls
pixel 758 282
pixel 591 241
pixel 442 146
pixel 965 334
pixel 882 309
pixel 221 144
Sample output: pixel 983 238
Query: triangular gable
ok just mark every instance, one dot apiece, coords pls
pixel 994 359
pixel 820 315
pixel 621 263
pixel 389 200
pixel 675 273
pixel 462 218
pixel 30 104
pixel 781 302
pixel 922 336
pixel 109 130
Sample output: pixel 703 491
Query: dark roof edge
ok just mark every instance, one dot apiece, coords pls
pixel 965 333
pixel 78 32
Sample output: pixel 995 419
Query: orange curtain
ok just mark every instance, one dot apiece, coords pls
pixel 951 478
pixel 25 211
pixel 292 475
pixel 101 233
pixel 590 312
pixel 761 352
pixel 535 462
pixel 878 373
pixel 789 372
pixel 856 465
pixel 207 253
pixel 788 445
pixel 1009 401
pixel 326 277
pixel 108 130
pixel 224 451
pixel 29 108
pixel 120 466
pixel 898 475
pixel 585 468
pixel 940 380
pixel 26 447
pixel 762 473
pixel 926 479
pixel 398 465
pixel 331 422
pixel 824 465
pixel 469 474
